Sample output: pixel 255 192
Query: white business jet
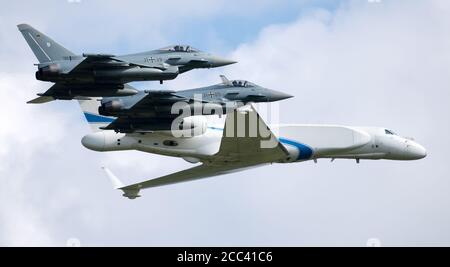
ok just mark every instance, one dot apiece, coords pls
pixel 239 145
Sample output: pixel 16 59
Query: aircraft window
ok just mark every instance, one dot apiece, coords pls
pixel 170 143
pixel 389 132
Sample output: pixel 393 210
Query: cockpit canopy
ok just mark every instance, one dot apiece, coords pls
pixel 242 83
pixel 180 48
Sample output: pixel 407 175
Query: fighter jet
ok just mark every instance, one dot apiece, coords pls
pixel 95 75
pixel 231 147
pixel 152 110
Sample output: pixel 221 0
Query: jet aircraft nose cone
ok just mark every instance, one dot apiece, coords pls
pixel 282 96
pixel 277 95
pixel 220 62
pixel 416 151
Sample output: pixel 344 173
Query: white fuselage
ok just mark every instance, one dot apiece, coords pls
pixel 303 142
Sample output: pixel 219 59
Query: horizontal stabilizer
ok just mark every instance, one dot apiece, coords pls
pixel 41 100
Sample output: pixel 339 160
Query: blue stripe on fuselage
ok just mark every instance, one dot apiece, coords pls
pixel 94 118
pixel 215 128
pixel 304 151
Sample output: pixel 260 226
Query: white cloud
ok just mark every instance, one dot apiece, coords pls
pixel 21 138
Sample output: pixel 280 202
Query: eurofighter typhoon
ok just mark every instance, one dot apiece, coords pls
pixel 152 110
pixel 98 75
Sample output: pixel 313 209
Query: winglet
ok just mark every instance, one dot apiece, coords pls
pixel 130 193
pixel 117 184
pixel 225 80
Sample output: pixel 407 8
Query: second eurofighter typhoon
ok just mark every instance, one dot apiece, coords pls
pixel 152 110
pixel 95 75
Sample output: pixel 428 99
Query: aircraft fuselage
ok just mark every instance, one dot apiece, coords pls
pixel 303 142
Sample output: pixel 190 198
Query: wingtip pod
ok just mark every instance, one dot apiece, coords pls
pixel 130 193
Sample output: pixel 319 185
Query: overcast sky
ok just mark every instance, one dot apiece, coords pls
pixel 363 63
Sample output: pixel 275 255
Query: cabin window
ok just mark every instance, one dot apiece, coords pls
pixel 389 132
pixel 170 143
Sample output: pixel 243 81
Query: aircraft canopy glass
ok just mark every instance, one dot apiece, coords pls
pixel 242 83
pixel 180 48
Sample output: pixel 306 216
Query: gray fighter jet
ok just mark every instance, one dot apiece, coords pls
pixel 95 75
pixel 152 110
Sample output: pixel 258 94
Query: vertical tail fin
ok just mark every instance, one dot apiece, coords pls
pixel 43 47
pixel 90 111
